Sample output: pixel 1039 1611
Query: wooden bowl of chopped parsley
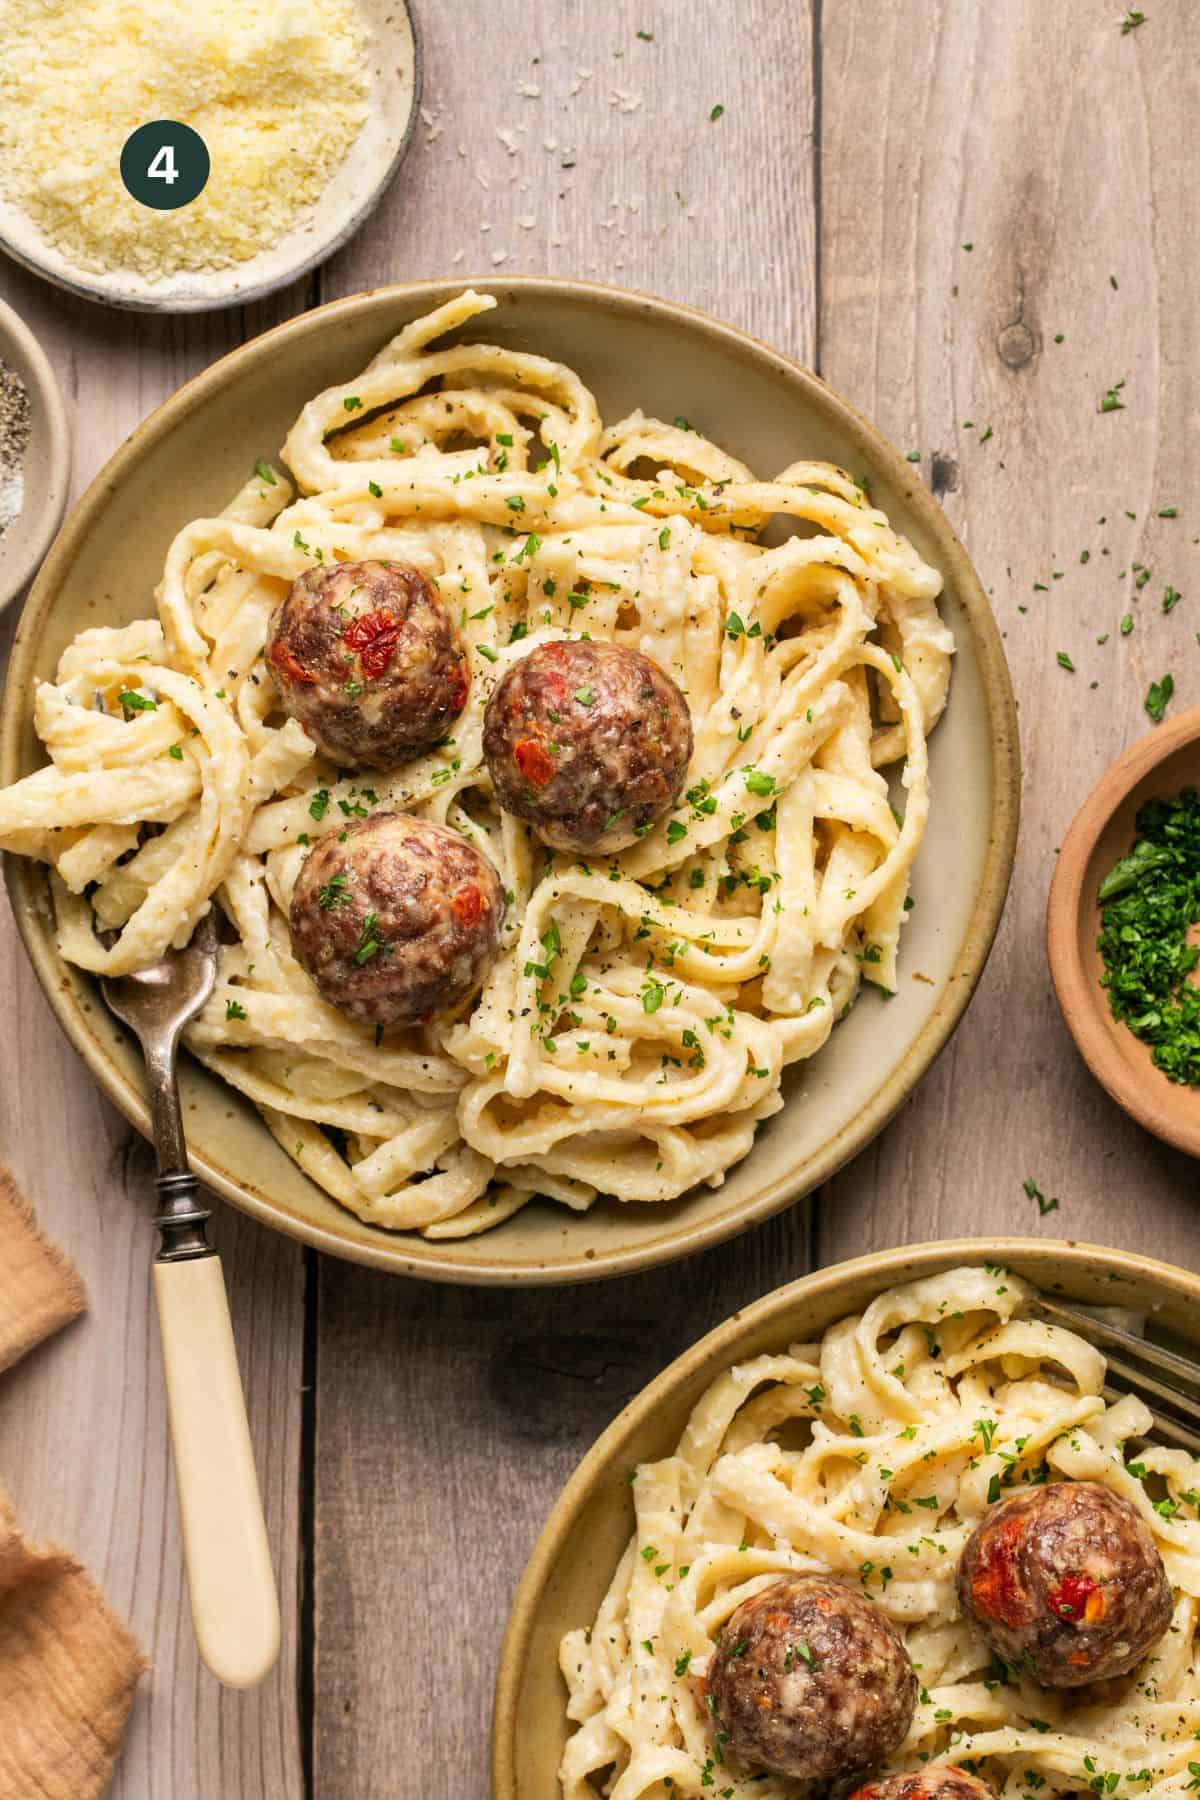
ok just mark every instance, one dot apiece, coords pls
pixel 1123 931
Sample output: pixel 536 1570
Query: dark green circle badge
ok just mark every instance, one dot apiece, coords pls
pixel 165 164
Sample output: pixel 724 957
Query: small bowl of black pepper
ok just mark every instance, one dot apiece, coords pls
pixel 35 455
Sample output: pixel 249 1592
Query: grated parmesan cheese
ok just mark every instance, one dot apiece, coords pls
pixel 278 94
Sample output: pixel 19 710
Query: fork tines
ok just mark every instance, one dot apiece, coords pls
pixel 1168 1383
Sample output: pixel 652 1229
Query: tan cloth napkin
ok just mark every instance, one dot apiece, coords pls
pixel 68 1667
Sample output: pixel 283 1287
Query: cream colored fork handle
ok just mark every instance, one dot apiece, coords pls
pixel 231 1584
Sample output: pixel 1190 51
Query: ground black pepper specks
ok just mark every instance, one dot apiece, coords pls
pixel 14 440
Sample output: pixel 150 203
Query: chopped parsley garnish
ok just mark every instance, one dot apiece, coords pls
pixel 1111 400
pixel 234 1011
pixel 265 473
pixel 374 489
pixel 369 943
pixel 333 893
pixel 136 703
pixel 1035 1193
pixel 1149 901
pixel 1157 696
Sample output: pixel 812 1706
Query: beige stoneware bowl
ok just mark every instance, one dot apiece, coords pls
pixel 582 1540
pixel 194 452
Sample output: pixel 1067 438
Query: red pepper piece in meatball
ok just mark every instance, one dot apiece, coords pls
pixel 396 918
pixel 588 742
pixel 366 657
pixel 811 1680
pixel 1066 1581
pixel 942 1781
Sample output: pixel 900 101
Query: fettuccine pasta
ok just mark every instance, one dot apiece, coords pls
pixel 872 1455
pixel 634 1031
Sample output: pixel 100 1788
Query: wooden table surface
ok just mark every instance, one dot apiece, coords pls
pixel 957 211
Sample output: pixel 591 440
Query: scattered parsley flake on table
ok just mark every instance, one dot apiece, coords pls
pixel 1112 401
pixel 1035 1193
pixel 1157 696
pixel 1131 21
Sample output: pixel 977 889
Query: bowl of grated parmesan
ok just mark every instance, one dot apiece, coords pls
pixel 35 454
pixel 305 110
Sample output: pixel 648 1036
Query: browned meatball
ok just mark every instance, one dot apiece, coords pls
pixel 811 1680
pixel 944 1781
pixel 589 742
pixel 396 918
pixel 366 657
pixel 1067 1582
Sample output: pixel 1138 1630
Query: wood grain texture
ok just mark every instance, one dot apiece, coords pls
pixel 1025 178
pixel 83 1430
pixel 448 1420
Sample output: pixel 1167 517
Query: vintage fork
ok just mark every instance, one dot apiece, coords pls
pixel 1168 1383
pixel 231 1583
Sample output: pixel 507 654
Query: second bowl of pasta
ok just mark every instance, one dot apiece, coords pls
pixel 894 1525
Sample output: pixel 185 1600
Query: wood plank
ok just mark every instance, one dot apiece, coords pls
pixel 1025 176
pixel 448 1419
pixel 83 1432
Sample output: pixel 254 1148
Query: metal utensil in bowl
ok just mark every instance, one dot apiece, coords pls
pixel 231 1583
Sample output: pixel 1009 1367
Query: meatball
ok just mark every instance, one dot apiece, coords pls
pixel 588 742
pixel 1067 1582
pixel 395 918
pixel 811 1680
pixel 366 657
pixel 944 1781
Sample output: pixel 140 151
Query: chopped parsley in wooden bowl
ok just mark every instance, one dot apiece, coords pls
pixel 1124 931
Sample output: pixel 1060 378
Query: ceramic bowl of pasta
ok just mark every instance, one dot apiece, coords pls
pixel 605 836
pixel 886 1530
